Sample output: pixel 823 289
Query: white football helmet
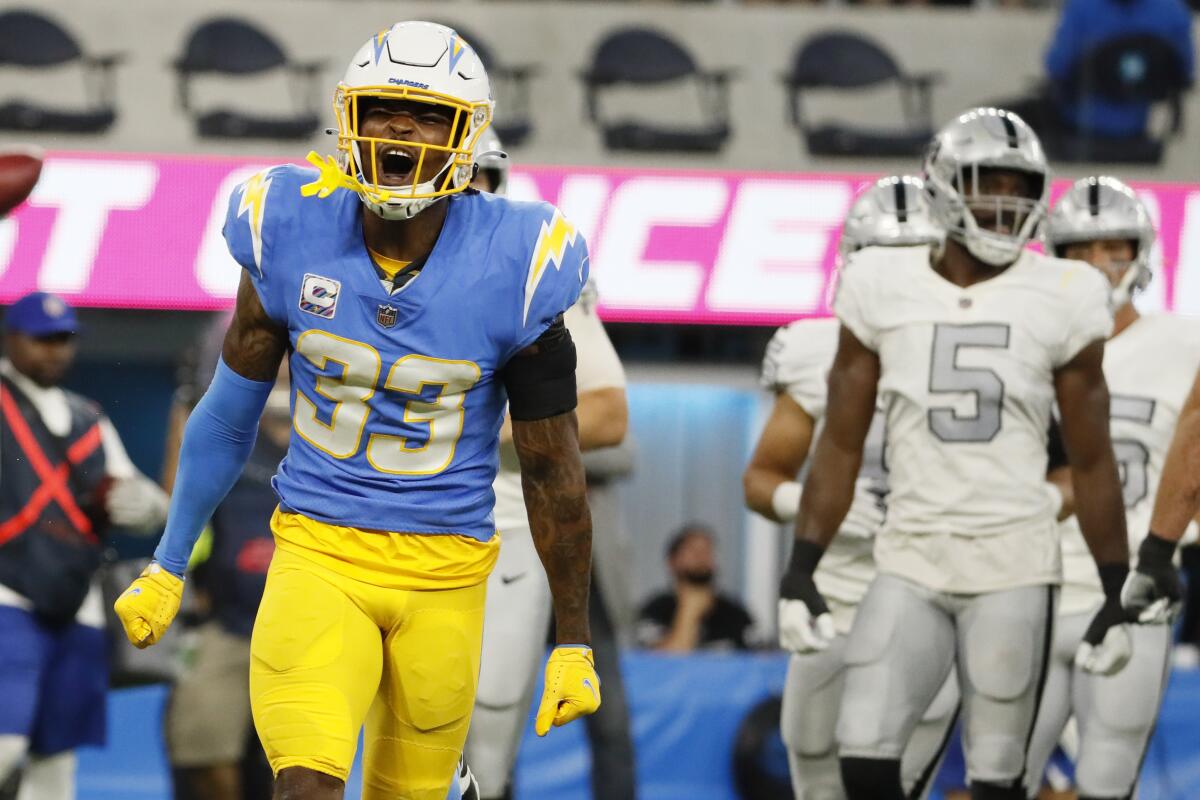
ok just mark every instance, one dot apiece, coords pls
pixel 491 158
pixel 421 62
pixel 1105 208
pixel 893 212
pixel 980 139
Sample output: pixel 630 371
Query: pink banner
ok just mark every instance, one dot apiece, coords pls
pixel 126 231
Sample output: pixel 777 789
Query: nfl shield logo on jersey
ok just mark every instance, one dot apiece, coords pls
pixel 385 315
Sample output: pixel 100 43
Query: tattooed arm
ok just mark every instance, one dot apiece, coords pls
pixel 556 500
pixel 542 398
pixel 255 343
pixel 552 480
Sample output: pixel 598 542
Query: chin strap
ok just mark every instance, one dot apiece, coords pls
pixel 1122 293
pixel 408 210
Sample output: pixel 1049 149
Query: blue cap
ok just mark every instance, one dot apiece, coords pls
pixel 41 314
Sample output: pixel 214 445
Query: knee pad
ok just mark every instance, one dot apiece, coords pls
pixel 52 776
pixel 1001 666
pixel 984 790
pixel 872 778
pixel 13 748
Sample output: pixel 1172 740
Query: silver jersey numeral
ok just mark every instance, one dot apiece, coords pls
pixel 1133 459
pixel 947 376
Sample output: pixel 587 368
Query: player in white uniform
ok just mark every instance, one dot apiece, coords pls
pixel 1149 363
pixel 892 212
pixel 968 347
pixel 1154 593
pixel 517 613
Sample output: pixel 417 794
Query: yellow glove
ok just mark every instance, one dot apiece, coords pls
pixel 148 606
pixel 572 687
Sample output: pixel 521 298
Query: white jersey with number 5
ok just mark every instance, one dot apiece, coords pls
pixel 966 385
pixel 797 362
pixel 1149 367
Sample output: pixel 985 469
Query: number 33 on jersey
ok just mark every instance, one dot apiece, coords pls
pixel 396 407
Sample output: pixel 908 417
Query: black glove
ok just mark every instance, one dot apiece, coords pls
pixel 797 582
pixel 1153 593
pixel 1107 646
pixel 805 625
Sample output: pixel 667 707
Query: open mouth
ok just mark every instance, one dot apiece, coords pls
pixel 395 166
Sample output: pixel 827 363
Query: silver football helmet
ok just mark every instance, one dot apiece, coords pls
pixel 1103 207
pixel 980 139
pixel 893 212
pixel 492 159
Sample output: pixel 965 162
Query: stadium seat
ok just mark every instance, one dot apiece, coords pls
pixel 645 58
pixel 510 86
pixel 842 61
pixel 231 47
pixel 1134 68
pixel 32 41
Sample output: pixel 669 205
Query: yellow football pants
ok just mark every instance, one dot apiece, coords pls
pixel 330 653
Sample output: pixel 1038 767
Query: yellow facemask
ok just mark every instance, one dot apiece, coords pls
pixel 358 153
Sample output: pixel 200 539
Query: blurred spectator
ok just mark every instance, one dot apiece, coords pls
pixel 67 479
pixel 694 615
pixel 1084 25
pixel 211 744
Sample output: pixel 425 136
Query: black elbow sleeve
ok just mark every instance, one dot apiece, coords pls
pixel 1055 450
pixel 541 380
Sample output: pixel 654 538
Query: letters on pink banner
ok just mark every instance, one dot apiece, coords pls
pixel 128 231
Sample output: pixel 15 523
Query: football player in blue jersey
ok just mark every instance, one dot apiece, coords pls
pixel 412 309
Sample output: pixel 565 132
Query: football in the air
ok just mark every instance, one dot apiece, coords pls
pixel 19 171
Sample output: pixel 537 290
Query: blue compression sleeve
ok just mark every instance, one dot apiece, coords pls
pixel 217 441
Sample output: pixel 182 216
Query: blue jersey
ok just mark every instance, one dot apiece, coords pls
pixel 396 405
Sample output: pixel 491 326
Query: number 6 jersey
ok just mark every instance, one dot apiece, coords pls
pixel 966 385
pixel 396 403
pixel 1149 368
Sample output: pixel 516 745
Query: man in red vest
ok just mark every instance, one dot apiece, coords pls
pixel 66 480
